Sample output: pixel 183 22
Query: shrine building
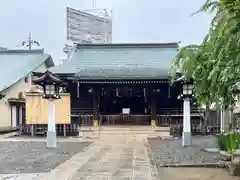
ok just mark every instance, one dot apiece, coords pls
pixel 122 84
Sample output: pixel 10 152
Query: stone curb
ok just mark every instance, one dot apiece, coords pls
pixel 154 170
pixel 206 165
pixel 59 140
pixel 12 134
pixel 179 137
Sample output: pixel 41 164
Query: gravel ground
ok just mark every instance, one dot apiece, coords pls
pixel 170 152
pixel 195 174
pixel 34 157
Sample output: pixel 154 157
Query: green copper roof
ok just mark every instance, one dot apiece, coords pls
pixel 16 64
pixel 120 61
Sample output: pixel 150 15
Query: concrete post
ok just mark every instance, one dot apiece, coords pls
pixel 51 134
pixel 186 136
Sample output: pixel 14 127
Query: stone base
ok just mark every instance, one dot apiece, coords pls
pixel 186 139
pixel 234 168
pixel 95 123
pixel 51 139
pixel 225 156
pixel 212 150
pixel 153 123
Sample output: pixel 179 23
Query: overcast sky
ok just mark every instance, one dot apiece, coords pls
pixel 133 20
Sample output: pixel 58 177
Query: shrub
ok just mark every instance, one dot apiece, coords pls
pixel 229 142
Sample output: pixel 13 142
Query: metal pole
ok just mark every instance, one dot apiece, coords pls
pixel 51 133
pixel 186 135
pixel 29 41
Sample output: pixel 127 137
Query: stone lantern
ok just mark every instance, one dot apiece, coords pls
pixel 186 95
pixel 51 85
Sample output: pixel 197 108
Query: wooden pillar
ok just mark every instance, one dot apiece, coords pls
pixel 96 107
pixel 153 108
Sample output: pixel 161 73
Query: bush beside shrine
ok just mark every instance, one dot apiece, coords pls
pixel 229 145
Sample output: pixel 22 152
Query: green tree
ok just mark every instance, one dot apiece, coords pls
pixel 214 65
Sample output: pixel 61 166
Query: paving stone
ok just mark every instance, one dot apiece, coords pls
pixel 129 160
pixel 106 159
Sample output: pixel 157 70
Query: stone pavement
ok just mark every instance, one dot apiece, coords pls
pixel 34 176
pixel 113 158
pixel 119 159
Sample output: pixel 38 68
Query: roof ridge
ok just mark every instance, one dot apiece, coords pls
pixel 18 51
pixel 128 45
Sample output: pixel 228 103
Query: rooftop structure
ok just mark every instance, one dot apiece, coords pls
pixel 88 26
pixel 110 61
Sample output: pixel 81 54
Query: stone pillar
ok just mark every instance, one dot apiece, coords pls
pixel 51 133
pixel 95 122
pixel 153 111
pixel 186 136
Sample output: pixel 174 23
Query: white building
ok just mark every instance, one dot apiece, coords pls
pixel 87 26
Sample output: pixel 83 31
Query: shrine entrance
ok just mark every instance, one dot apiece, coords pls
pixel 124 105
pixel 127 102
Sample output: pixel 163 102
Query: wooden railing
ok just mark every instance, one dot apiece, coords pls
pixel 165 117
pixel 125 119
pixel 179 112
pixel 172 118
pixel 75 112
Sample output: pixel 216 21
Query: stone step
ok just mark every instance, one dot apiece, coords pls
pixel 123 133
pixel 96 133
pixel 125 129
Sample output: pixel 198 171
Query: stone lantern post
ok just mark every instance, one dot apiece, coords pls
pixel 51 84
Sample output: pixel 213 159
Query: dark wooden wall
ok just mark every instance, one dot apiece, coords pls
pixel 166 98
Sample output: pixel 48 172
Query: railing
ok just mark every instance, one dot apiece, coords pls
pixel 82 117
pixel 165 117
pixel 179 112
pixel 199 125
pixel 125 119
pixel 81 111
pixel 71 129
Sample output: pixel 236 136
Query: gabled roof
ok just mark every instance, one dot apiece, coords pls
pixel 120 61
pixel 17 64
pixel 48 77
